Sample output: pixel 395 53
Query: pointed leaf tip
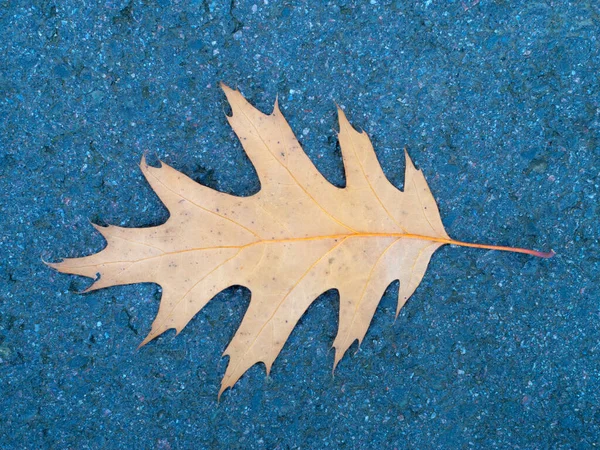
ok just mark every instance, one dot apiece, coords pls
pixel 342 119
pixel 223 389
pixel 336 361
pixel 407 158
pixel 98 227
pixel 90 288
pixel 146 340
pixel 52 265
pixel 226 88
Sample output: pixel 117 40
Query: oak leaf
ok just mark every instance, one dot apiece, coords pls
pixel 298 237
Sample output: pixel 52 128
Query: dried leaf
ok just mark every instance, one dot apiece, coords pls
pixel 295 239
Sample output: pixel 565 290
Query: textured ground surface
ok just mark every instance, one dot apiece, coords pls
pixel 498 103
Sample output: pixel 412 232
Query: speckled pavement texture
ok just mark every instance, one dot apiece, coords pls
pixel 498 104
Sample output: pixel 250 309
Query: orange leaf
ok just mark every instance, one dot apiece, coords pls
pixel 295 239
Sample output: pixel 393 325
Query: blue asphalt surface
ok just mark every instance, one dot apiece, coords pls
pixel 497 102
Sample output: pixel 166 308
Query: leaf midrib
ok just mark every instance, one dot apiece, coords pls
pixel 283 241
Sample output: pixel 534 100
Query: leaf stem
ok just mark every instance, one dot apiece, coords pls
pixel 527 251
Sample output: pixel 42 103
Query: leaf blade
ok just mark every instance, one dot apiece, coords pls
pixel 298 237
